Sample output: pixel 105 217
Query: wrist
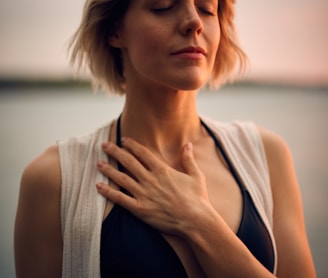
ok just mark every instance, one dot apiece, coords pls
pixel 201 218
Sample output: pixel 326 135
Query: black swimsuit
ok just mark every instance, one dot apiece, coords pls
pixel 131 248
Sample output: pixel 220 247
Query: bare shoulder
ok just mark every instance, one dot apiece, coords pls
pixel 281 169
pixel 38 218
pixel 294 254
pixel 279 157
pixel 43 173
pixel 274 145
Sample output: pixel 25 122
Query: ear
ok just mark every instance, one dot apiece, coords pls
pixel 115 40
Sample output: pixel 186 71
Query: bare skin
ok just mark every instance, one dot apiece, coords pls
pixel 159 121
pixel 222 216
pixel 38 224
pixel 32 242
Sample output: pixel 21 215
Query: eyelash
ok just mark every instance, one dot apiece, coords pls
pixel 166 9
pixel 162 10
pixel 207 12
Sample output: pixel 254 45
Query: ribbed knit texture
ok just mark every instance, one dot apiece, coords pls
pixel 82 208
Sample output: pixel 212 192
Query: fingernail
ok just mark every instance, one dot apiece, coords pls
pixel 100 164
pixel 106 145
pixel 99 186
pixel 189 147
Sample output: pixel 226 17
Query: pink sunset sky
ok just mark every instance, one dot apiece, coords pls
pixel 285 40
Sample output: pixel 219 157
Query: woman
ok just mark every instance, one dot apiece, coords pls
pixel 161 191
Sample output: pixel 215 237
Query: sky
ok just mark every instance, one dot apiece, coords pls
pixel 285 40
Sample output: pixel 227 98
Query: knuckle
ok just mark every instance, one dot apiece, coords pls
pixel 126 160
pixel 124 179
pixel 139 151
pixel 113 150
pixel 119 198
pixel 142 210
pixel 105 191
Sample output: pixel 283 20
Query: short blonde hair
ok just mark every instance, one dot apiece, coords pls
pixel 89 45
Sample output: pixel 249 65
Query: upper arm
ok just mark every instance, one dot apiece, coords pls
pixel 38 239
pixel 294 256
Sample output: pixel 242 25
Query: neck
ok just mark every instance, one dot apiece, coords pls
pixel 162 121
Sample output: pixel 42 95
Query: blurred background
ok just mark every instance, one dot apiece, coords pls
pixel 286 90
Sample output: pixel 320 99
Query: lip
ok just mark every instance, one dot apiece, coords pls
pixel 191 51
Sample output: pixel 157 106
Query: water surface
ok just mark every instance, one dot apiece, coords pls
pixel 32 119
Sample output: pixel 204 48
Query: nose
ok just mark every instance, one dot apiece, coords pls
pixel 191 23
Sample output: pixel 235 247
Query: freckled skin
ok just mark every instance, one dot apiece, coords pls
pixel 146 34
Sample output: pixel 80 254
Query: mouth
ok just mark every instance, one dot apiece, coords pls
pixel 190 50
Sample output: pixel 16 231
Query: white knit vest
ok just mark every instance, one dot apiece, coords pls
pixel 82 208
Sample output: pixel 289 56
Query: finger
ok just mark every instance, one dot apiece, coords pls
pixel 144 155
pixel 188 161
pixel 116 196
pixel 118 177
pixel 126 159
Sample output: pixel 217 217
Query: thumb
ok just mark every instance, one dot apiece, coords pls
pixel 188 160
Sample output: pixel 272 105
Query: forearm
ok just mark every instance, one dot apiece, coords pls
pixel 218 249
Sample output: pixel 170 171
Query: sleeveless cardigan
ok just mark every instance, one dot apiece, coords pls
pixel 82 207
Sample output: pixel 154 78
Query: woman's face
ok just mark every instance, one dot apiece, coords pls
pixel 171 43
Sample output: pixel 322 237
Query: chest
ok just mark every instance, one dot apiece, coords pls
pixel 133 237
pixel 139 244
pixel 224 191
pixel 225 196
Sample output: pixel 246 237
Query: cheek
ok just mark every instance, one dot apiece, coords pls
pixel 214 39
pixel 144 45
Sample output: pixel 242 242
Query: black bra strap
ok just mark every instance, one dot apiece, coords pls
pixel 225 156
pixel 209 131
pixel 118 140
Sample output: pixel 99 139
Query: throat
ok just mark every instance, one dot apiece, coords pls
pixel 164 137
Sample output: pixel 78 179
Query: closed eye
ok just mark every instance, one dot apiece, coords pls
pixel 162 9
pixel 206 11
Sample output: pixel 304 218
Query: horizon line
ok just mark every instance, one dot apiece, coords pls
pixel 69 82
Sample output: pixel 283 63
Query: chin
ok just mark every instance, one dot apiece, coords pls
pixel 185 82
pixel 191 84
pixel 192 80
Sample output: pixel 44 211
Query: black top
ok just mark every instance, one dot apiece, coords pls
pixel 131 248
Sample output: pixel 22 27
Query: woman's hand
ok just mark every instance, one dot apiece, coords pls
pixel 177 203
pixel 159 195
